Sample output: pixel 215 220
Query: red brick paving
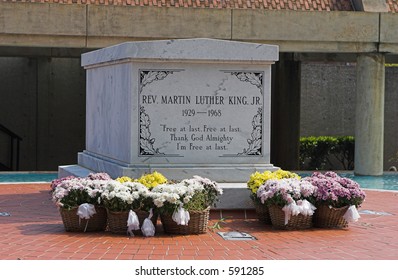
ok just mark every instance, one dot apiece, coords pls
pixel 34 231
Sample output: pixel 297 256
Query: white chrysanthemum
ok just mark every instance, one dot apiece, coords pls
pixel 135 195
pixel 187 199
pixel 112 194
pixel 158 202
pixel 173 198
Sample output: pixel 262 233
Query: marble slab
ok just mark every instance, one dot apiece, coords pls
pixel 199 49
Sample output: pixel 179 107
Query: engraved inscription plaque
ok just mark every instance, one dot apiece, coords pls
pixel 219 114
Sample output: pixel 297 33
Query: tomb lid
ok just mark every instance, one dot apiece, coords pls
pixel 195 50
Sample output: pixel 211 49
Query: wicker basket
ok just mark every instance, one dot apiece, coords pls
pixel 295 222
pixel 197 223
pixel 330 217
pixel 72 222
pixel 117 221
pixel 262 213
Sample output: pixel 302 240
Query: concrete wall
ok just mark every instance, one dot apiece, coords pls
pixel 328 103
pixel 95 26
pixel 307 31
pixel 391 118
pixel 43 101
pixel 327 99
pixel 42 25
pixel 18 106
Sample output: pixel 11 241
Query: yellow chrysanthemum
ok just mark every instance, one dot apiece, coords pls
pixel 257 179
pixel 283 174
pixel 124 179
pixel 152 180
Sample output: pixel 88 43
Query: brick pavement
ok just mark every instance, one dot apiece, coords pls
pixel 34 231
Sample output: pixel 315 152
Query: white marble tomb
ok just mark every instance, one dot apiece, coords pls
pixel 180 107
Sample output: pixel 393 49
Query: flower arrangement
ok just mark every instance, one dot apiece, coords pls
pixel 212 190
pixel 169 197
pixel 130 208
pixel 80 199
pixel 292 196
pixel 257 179
pixel 72 192
pixel 185 201
pixel 126 196
pixel 192 194
pixel 336 191
pixel 285 191
pixel 336 199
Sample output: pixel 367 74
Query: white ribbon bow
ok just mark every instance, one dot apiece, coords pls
pixel 306 208
pixel 148 229
pixel 132 222
pixel 303 207
pixel 181 216
pixel 351 215
pixel 290 209
pixel 85 211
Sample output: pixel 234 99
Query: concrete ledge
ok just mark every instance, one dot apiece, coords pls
pixel 47 25
pixel 45 41
pixel 194 50
pixel 229 214
pixel 305 26
pixel 216 172
pixel 388 28
pixel 73 170
pixel 235 196
pixel 155 23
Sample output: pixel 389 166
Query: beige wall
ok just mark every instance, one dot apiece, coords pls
pixel 96 26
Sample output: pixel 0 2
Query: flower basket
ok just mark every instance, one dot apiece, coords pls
pixel 73 223
pixel 262 212
pixel 117 221
pixel 334 196
pixel 184 207
pixel 287 201
pixel 258 179
pixel 197 224
pixel 330 217
pixel 298 222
